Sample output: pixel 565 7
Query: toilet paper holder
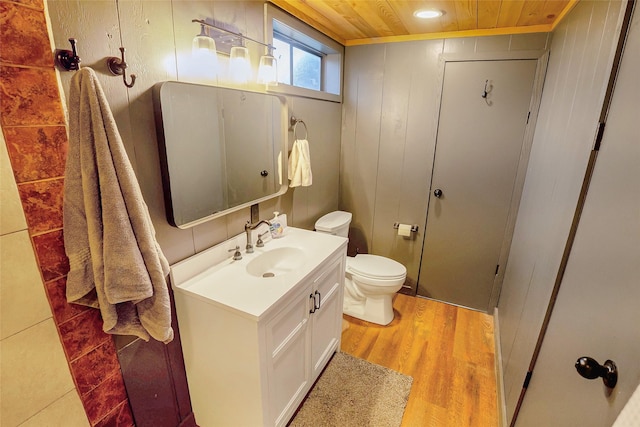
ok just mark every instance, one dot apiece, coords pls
pixel 414 228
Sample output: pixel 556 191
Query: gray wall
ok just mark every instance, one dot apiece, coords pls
pixel 596 313
pixel 579 66
pixel 157 36
pixel 391 104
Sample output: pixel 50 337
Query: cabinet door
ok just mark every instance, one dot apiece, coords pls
pixel 288 359
pixel 326 321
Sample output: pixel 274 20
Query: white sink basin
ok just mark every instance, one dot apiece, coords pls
pixel 276 262
pixel 214 277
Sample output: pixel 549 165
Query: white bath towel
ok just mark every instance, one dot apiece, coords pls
pixel 115 262
pixel 300 164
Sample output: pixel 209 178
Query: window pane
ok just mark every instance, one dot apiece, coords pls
pixel 282 53
pixel 306 69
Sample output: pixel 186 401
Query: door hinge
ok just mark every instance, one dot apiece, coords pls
pixel 528 115
pixel 599 136
pixel 497 268
pixel 527 379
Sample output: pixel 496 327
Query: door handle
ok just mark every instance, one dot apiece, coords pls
pixel 590 369
pixel 437 193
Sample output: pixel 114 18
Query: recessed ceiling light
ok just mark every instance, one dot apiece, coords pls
pixel 427 14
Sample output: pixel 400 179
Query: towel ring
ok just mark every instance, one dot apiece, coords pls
pixel 294 123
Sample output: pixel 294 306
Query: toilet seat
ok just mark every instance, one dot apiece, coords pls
pixel 376 268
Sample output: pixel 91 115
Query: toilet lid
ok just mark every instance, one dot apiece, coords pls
pixel 376 267
pixel 332 221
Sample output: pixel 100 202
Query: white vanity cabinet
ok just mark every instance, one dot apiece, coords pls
pixel 301 339
pixel 326 319
pixel 249 368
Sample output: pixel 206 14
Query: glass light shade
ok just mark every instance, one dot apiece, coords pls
pixel 203 50
pixel 202 43
pixel 240 64
pixel 268 71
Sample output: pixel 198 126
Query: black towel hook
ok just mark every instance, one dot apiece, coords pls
pixel 118 67
pixel 488 87
pixel 68 59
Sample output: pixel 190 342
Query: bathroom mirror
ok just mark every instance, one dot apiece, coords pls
pixel 220 149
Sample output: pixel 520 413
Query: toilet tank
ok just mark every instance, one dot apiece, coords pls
pixel 334 223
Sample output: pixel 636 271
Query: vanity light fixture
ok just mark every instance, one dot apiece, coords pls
pixel 428 13
pixel 240 65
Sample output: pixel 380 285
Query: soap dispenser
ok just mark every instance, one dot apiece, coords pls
pixel 276 228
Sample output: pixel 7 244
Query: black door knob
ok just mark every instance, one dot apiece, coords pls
pixel 264 173
pixel 590 369
pixel 437 193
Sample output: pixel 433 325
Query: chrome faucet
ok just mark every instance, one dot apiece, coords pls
pixel 248 228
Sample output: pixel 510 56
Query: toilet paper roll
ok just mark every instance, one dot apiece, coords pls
pixel 404 230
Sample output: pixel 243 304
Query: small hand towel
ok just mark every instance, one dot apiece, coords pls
pixel 300 164
pixel 115 262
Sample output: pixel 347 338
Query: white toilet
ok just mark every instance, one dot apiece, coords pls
pixel 371 280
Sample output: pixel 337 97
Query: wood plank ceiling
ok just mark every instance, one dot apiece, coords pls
pixel 354 22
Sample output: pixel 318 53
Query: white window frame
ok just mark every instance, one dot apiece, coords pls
pixel 293 46
pixel 332 60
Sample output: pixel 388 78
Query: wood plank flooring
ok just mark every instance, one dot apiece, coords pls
pixel 449 352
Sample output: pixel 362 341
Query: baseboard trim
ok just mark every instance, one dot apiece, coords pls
pixel 502 405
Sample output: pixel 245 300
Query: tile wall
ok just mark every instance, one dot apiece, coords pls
pixel 57 366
